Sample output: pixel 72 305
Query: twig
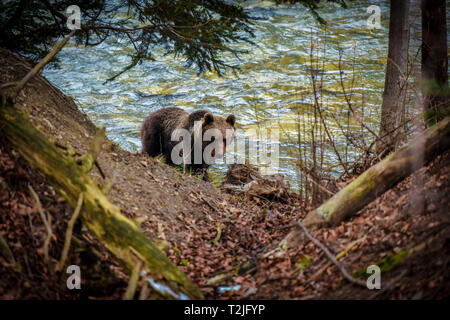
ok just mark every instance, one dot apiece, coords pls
pixel 135 274
pixel 47 223
pixel 331 257
pixel 208 203
pixel 143 295
pixel 219 233
pixel 9 84
pixel 132 284
pixel 317 107
pixel 69 231
pixel 106 188
pixel 43 62
pixel 102 174
pixel 315 182
pixel 338 257
pixel 192 226
pixel 4 248
pixel 67 149
pixel 90 157
pixel 341 72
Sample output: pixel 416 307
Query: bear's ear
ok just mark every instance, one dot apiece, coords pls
pixel 208 118
pixel 231 119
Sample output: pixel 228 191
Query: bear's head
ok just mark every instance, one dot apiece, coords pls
pixel 218 132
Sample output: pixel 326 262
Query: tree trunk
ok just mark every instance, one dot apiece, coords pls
pixel 434 60
pixel 382 176
pixel 118 234
pixel 395 81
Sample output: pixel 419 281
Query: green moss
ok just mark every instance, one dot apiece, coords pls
pixel 386 264
pixel 184 262
pixel 304 262
pixel 161 159
pixel 219 234
pixel 244 268
pixel 436 114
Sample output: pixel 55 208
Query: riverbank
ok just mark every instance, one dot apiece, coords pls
pixel 208 232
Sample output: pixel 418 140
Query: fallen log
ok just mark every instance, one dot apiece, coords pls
pixel 371 184
pixel 70 178
pixel 382 176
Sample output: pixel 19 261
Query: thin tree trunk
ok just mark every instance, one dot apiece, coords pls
pixel 394 85
pixel 434 60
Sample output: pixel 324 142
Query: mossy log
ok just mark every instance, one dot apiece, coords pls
pixel 69 177
pixel 382 176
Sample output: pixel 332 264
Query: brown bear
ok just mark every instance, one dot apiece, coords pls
pixel 159 135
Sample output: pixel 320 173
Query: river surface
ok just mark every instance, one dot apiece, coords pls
pixel 273 83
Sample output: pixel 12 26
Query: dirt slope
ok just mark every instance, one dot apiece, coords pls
pixel 141 185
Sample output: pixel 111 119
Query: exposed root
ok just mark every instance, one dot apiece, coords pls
pixel 69 231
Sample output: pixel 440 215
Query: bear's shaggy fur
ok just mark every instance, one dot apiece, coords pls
pixel 156 131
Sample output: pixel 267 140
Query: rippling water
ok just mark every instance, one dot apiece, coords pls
pixel 274 78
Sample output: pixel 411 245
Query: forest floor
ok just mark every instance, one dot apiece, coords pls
pixel 207 232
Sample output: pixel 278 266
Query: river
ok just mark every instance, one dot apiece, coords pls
pixel 273 83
